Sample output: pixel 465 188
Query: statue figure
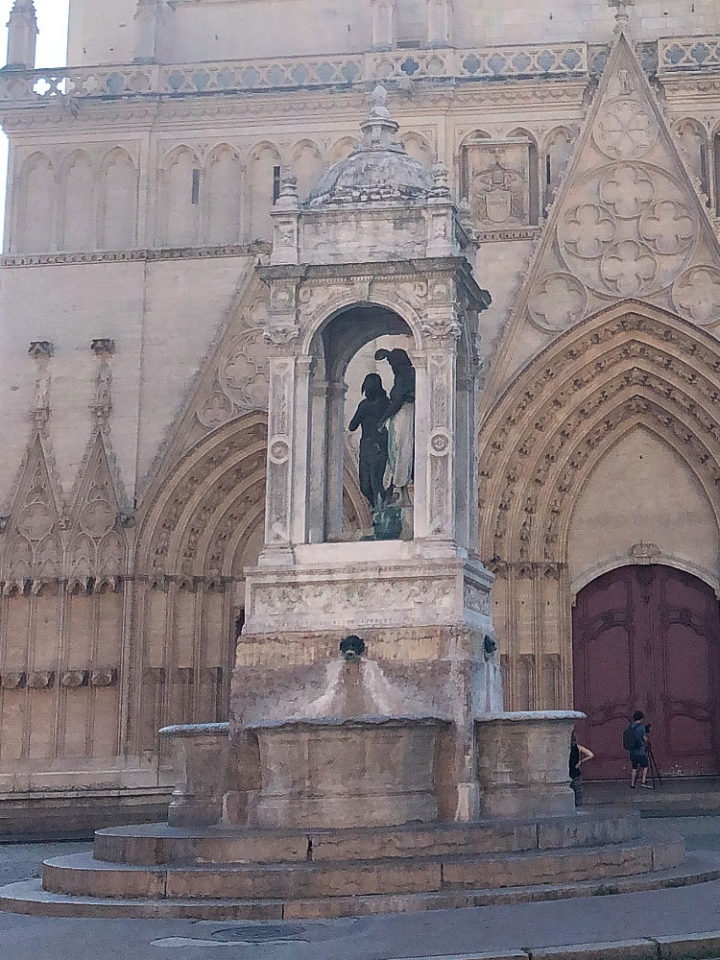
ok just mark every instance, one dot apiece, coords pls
pixel 370 415
pixel 400 420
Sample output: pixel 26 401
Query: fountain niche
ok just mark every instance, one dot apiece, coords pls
pixel 368 764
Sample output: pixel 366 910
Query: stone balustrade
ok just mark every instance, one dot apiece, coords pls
pixel 681 54
pixel 481 63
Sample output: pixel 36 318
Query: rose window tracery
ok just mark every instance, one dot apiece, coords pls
pixel 558 302
pixel 625 129
pixel 629 232
pixel 588 229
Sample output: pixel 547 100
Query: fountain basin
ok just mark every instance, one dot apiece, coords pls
pixel 523 763
pixel 359 772
pixel 201 754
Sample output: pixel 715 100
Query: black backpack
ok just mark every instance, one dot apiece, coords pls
pixel 630 738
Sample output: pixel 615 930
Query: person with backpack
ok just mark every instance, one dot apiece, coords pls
pixel 634 741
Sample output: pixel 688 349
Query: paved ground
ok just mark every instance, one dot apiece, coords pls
pixel 441 934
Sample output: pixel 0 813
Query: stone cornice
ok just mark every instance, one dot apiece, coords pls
pixel 510 233
pixel 313 106
pixel 124 256
pixel 360 271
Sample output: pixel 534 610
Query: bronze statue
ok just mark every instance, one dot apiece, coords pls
pixel 400 420
pixel 371 415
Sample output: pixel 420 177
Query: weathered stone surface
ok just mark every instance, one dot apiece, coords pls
pixel 337 773
pixel 689 948
pixel 80 875
pixel 619 950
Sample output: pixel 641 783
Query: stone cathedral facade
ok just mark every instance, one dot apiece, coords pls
pixel 581 142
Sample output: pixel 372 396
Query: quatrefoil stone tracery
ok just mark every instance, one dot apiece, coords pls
pixel 630 231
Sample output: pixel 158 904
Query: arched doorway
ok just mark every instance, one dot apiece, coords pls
pixel 648 638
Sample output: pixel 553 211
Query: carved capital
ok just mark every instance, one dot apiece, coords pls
pixel 41 349
pixel 41 679
pixel 103 678
pixel 12 680
pixel 103 347
pixel 73 679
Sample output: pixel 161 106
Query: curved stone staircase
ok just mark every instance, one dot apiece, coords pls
pixel 220 872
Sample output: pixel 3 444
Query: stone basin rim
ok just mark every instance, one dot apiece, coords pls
pixel 195 730
pixel 361 722
pixel 523 716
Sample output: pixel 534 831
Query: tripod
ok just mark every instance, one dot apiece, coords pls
pixel 653 768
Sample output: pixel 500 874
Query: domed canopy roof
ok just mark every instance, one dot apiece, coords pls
pixel 379 169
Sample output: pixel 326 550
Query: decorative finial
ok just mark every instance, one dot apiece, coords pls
pixel 104 349
pixel 288 198
pixel 379 129
pixel 379 102
pixel 22 36
pixel 440 180
pixel 622 17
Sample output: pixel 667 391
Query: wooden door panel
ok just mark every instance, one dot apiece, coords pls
pixel 648 638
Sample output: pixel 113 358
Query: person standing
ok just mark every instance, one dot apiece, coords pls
pixel 635 742
pixel 578 756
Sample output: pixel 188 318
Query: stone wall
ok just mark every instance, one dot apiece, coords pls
pixel 229 29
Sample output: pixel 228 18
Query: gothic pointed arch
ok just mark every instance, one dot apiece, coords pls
pixel 35 525
pixel 631 363
pixel 630 371
pixel 97 542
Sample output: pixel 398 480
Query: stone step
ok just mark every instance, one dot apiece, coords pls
pixel 29 898
pixel 157 844
pixel 81 875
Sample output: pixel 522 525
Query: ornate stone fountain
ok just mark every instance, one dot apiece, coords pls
pixel 383 775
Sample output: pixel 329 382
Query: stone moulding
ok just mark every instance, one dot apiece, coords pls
pixel 72 679
pixel 124 256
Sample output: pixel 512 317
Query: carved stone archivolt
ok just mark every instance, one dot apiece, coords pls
pixel 214 495
pixel 628 365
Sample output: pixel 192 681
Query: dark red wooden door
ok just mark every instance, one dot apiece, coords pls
pixel 648 638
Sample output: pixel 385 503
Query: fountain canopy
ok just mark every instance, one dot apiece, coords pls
pixel 379 169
